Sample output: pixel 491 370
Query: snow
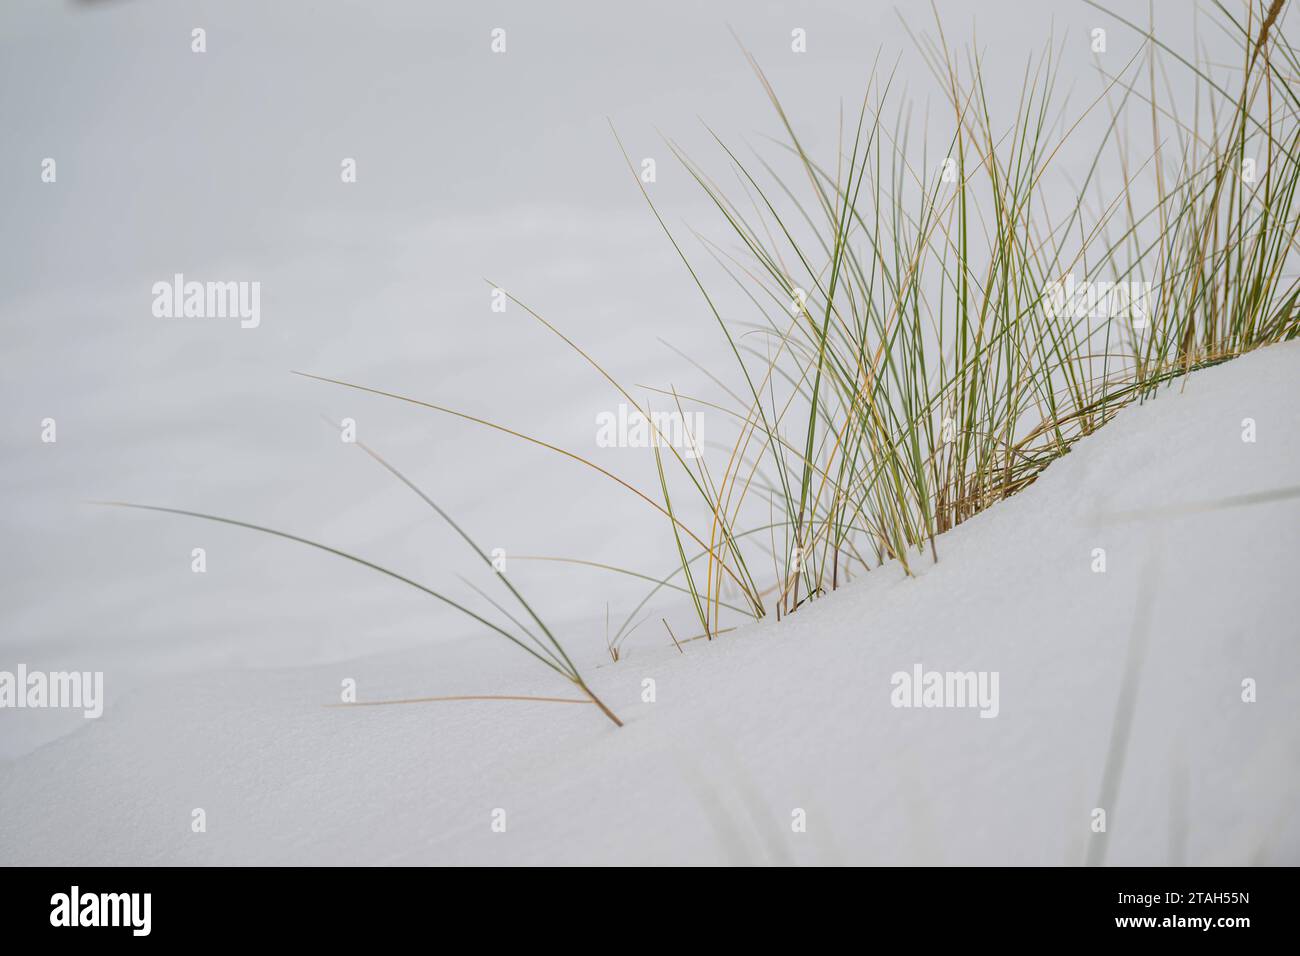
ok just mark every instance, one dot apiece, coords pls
pixel 774 717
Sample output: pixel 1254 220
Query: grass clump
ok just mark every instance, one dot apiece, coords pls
pixel 927 337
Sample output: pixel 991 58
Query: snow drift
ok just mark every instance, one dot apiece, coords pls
pixel 788 743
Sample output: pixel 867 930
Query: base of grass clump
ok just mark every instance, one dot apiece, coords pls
pixel 911 361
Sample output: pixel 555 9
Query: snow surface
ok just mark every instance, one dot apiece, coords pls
pixel 775 717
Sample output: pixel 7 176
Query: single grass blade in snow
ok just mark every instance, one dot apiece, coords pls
pixel 564 667
pixel 673 636
pixel 1126 704
pixel 459 697
pixel 1200 507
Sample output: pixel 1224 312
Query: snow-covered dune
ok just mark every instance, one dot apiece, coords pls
pixel 777 724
